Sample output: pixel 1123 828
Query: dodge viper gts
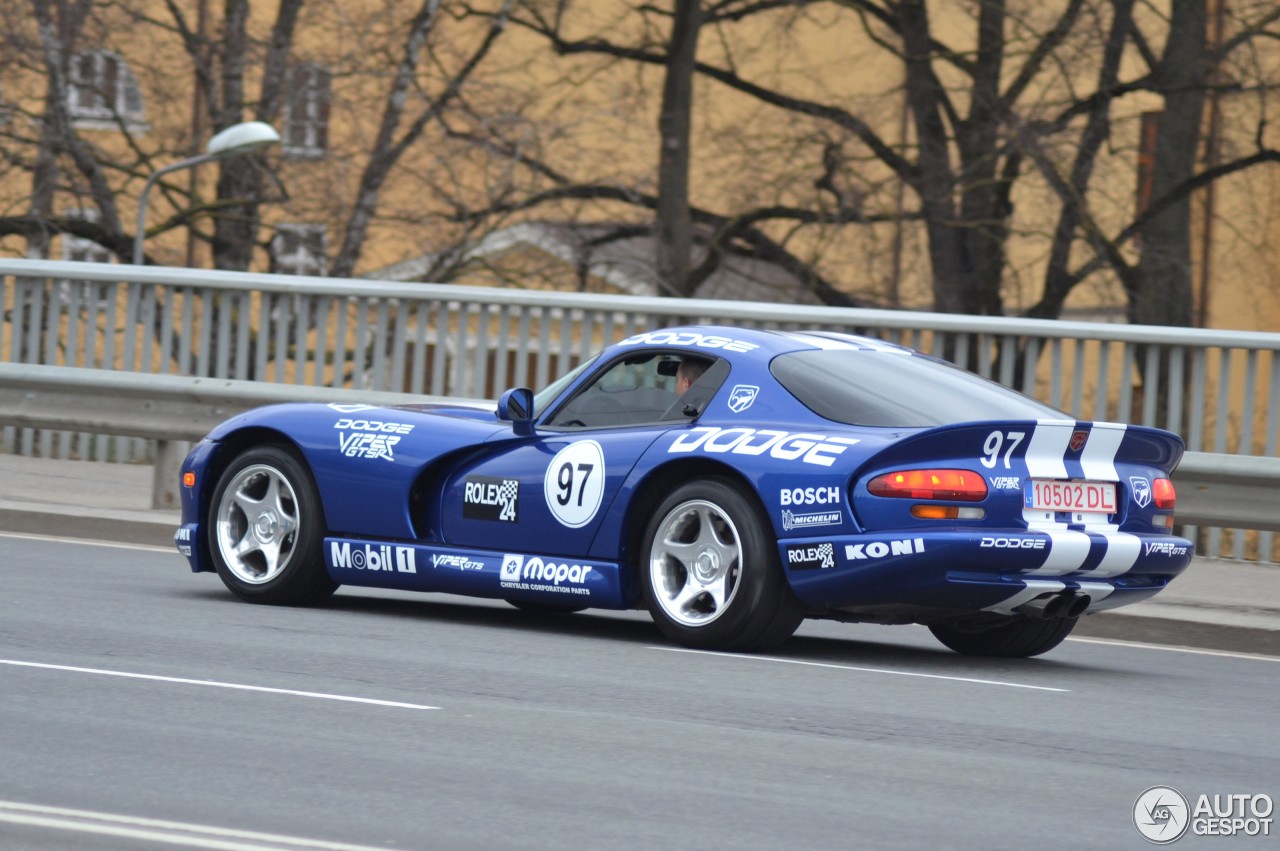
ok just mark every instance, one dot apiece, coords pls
pixel 732 482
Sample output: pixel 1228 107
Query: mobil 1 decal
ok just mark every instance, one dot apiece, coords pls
pixel 574 483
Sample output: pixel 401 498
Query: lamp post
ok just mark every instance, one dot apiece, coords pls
pixel 235 141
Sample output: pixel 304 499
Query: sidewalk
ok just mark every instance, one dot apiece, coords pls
pixel 1215 604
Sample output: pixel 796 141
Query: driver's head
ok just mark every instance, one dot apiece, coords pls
pixel 689 371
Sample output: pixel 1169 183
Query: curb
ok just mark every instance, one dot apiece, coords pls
pixel 154 531
pixel 1201 635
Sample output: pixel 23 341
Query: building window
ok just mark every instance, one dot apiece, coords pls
pixel 80 249
pixel 103 90
pixel 300 249
pixel 306 111
pixel 84 294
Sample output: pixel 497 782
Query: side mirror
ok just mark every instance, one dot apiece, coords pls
pixel 516 407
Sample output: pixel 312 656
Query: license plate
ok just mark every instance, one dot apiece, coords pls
pixel 1093 497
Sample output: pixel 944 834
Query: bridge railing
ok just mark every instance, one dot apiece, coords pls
pixel 1219 389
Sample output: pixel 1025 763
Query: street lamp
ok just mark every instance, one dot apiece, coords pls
pixel 235 141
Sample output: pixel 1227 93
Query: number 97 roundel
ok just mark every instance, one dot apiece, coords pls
pixel 730 481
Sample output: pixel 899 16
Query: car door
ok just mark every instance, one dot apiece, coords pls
pixel 547 494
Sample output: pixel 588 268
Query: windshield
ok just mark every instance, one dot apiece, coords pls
pixel 898 390
pixel 548 394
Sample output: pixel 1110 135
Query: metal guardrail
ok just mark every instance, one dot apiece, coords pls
pixel 1213 489
pixel 168 409
pixel 1219 389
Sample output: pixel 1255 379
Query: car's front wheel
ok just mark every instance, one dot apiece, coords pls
pixel 1019 638
pixel 266 530
pixel 711 574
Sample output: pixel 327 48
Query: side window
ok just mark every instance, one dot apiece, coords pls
pixel 306 110
pixel 300 249
pixel 642 388
pixel 102 90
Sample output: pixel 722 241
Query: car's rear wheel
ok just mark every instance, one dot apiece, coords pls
pixel 1019 638
pixel 711 574
pixel 266 530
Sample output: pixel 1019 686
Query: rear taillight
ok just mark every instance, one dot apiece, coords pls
pixel 1163 494
pixel 962 485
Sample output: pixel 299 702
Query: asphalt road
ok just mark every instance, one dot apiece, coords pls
pixel 402 721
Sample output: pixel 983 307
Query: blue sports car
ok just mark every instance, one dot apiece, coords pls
pixel 733 482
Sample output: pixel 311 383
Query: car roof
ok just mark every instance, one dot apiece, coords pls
pixel 734 342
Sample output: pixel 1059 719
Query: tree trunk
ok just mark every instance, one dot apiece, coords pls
pixel 674 223
pixel 1163 295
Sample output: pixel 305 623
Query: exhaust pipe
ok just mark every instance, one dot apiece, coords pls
pixel 1045 606
pixel 1079 603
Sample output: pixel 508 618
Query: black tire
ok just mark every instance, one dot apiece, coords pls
pixel 710 572
pixel 266 529
pixel 541 608
pixel 1021 637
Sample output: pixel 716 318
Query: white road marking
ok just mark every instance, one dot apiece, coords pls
pixel 156 830
pixel 860 670
pixel 90 542
pixel 1177 648
pixel 183 681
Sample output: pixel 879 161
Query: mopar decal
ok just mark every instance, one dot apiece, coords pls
pixel 809 448
pixel 381 557
pixel 880 549
pixel 574 483
pixel 490 498
pixel 537 574
pixel 815 557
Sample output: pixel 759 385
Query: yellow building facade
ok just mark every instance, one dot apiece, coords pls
pixel 593 119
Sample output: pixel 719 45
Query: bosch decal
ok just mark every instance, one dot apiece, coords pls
pixel 741 397
pixel 791 522
pixel 815 557
pixel 381 557
pixel 490 498
pixel 810 448
pixel 880 549
pixel 810 496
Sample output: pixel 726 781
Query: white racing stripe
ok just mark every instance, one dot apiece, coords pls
pixel 1035 587
pixel 216 684
pixel 1067 549
pixel 1097 591
pixel 1122 553
pixel 1048 446
pixel 1099 457
pixel 175 833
